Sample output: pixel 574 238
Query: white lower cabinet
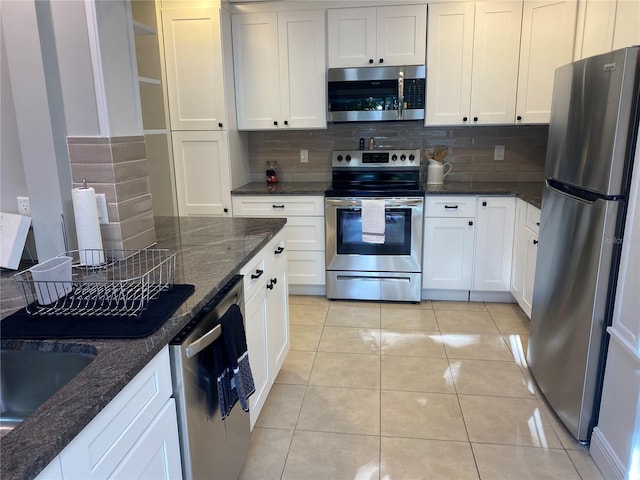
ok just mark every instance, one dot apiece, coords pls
pixel 134 436
pixel 468 243
pixel 305 231
pixel 266 318
pixel 494 244
pixel 449 243
pixel 524 254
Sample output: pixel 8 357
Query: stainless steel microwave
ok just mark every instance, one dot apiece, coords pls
pixel 369 94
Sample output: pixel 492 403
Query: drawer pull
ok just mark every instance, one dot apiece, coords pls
pixel 258 274
pixel 470 223
pixel 272 283
pixel 535 242
pixel 451 206
pixel 277 206
pixel 538 224
pixel 279 250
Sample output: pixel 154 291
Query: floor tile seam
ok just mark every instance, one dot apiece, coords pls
pixel 414 391
pixel 532 397
pixel 532 447
pixel 575 467
pixel 343 387
pixel 374 435
pixel 383 354
pixel 408 437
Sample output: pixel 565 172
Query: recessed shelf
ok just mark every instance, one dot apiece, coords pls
pixel 140 28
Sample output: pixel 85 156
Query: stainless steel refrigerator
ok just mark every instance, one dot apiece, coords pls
pixel 592 132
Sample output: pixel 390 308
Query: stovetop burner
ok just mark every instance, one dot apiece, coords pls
pixel 375 173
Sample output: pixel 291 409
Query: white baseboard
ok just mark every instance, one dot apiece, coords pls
pixel 318 290
pixel 606 459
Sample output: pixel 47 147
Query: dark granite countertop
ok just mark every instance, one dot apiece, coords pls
pixel 210 252
pixel 282 188
pixel 529 191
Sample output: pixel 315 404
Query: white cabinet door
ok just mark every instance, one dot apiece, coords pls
pixel 401 35
pixel 193 57
pixel 548 32
pixel 203 181
pixel 278 317
pixel 518 266
pixel 256 329
pixel 627 29
pixel 156 455
pixel 594 29
pixel 448 253
pixel 302 69
pixel 494 244
pixel 306 267
pixel 360 37
pixel 496 50
pixel 531 251
pixel 351 37
pixel 449 63
pixel 257 75
pixel 100 449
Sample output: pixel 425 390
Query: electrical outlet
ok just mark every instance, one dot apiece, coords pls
pixel 498 152
pixel 304 156
pixel 24 208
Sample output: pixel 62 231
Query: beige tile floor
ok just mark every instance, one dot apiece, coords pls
pixel 389 391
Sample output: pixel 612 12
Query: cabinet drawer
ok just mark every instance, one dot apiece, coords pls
pixel 305 233
pixel 306 268
pixel 533 218
pixel 450 206
pixel 278 205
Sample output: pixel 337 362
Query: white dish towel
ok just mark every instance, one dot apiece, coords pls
pixel 373 221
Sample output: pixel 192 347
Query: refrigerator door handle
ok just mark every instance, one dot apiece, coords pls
pixel 585 198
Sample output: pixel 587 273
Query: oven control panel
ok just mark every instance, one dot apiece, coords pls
pixel 375 158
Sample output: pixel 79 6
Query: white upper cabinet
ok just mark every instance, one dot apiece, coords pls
pixel 279 65
pixel 548 32
pixel 193 56
pixel 605 25
pixel 472 63
pixel 394 35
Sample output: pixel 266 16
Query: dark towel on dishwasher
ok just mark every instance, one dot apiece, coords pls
pixel 240 377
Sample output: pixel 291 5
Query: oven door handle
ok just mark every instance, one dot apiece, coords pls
pixel 396 202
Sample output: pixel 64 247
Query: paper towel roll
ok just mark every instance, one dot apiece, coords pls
pixel 85 212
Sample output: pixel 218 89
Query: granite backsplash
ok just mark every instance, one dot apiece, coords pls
pixel 471 149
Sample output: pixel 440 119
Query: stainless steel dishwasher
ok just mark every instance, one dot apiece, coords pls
pixel 211 448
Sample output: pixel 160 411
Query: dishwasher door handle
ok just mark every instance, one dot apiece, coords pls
pixel 203 342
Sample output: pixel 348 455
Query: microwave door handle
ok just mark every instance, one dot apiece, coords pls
pixel 400 93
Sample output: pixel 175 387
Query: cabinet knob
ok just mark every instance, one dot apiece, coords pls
pixel 470 223
pixel 270 286
pixel 258 274
pixel 537 224
pixel 279 250
pixel 475 119
pixel 381 60
pixel 286 122
pixel 484 204
pixel 225 210
pixel 464 119
pixel 535 242
pixel 220 124
pixel 274 280
pixel 371 60
pixel 519 117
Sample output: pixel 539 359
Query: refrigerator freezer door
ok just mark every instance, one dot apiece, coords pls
pixel 589 145
pixel 569 304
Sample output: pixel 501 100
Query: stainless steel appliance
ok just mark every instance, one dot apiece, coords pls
pixel 376 93
pixel 370 271
pixel 210 447
pixel 594 123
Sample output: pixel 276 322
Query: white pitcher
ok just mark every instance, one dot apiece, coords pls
pixel 436 173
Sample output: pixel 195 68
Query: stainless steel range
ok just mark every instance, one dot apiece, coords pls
pixel 357 267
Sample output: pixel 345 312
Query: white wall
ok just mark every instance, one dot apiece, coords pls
pixel 12 181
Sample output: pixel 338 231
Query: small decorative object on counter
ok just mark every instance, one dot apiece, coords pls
pixel 361 145
pixel 273 172
pixel 372 143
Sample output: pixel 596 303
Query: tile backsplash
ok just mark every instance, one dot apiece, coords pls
pixel 117 167
pixel 471 149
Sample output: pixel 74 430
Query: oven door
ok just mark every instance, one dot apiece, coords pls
pixel 402 249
